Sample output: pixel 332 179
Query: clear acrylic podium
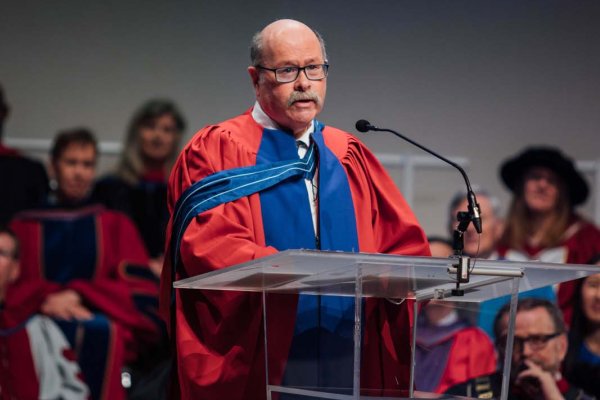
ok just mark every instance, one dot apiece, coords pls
pixel 394 278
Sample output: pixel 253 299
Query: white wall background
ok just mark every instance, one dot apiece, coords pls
pixel 475 79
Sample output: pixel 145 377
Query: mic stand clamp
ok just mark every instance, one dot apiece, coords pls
pixel 463 263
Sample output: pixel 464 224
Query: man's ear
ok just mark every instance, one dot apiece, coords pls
pixel 254 75
pixel 563 345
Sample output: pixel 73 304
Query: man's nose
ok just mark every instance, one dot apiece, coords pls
pixel 80 170
pixel 302 83
pixel 526 350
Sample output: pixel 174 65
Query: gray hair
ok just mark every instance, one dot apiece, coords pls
pixel 529 304
pixel 256 48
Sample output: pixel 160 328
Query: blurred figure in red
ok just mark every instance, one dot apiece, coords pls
pixel 92 268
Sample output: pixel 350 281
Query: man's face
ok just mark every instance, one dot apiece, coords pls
pixel 75 171
pixel 492 229
pixel 9 265
pixel 548 354
pixel 295 104
pixel 541 190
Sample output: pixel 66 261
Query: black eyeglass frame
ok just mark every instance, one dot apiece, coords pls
pixel 519 343
pixel 324 66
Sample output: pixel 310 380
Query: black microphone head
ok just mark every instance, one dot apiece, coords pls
pixel 362 125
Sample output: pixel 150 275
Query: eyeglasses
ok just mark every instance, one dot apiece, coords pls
pixel 536 342
pixel 313 72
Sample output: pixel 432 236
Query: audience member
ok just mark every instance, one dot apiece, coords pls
pixel 24 181
pixel 539 347
pixel 541 223
pixel 475 245
pixel 340 200
pixel 36 362
pixel 449 349
pixel 91 266
pixel 582 365
pixel 138 187
pixel 485 246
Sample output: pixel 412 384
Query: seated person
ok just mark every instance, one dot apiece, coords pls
pixel 36 360
pixel 582 365
pixel 138 186
pixel 449 349
pixel 484 246
pixel 539 348
pixel 93 265
pixel 24 181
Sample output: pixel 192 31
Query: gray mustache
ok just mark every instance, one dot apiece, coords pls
pixel 298 96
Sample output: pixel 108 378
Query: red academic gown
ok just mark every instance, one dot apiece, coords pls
pixel 581 242
pixel 99 254
pixel 451 354
pixel 472 354
pixel 219 335
pixel 35 360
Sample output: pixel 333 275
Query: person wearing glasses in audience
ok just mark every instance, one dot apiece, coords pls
pixel 539 348
pixel 272 179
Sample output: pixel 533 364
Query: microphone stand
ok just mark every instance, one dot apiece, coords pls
pixel 464 218
pixel 458 244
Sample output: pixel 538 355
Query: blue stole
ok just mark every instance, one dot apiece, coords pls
pixel 324 324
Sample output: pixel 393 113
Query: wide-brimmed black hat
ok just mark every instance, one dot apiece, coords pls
pixel 512 170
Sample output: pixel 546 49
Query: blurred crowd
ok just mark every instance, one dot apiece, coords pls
pixel 80 261
pixel 81 257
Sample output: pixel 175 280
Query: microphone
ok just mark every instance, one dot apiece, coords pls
pixel 362 125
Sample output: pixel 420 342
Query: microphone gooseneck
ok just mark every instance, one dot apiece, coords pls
pixel 362 125
pixel 462 269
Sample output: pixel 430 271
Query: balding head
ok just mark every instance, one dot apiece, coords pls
pixel 262 42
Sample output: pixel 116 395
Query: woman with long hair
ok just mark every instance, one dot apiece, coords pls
pixel 582 364
pixel 542 223
pixel 137 186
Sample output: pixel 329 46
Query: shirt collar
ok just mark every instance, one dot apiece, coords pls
pixel 264 120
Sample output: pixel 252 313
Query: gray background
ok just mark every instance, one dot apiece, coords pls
pixel 474 79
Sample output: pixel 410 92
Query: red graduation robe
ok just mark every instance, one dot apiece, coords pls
pixel 99 254
pixel 580 243
pixel 218 335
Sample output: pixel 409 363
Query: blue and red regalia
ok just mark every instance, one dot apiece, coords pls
pixel 219 335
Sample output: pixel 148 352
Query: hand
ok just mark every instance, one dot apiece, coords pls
pixel 156 265
pixel 66 305
pixel 534 381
